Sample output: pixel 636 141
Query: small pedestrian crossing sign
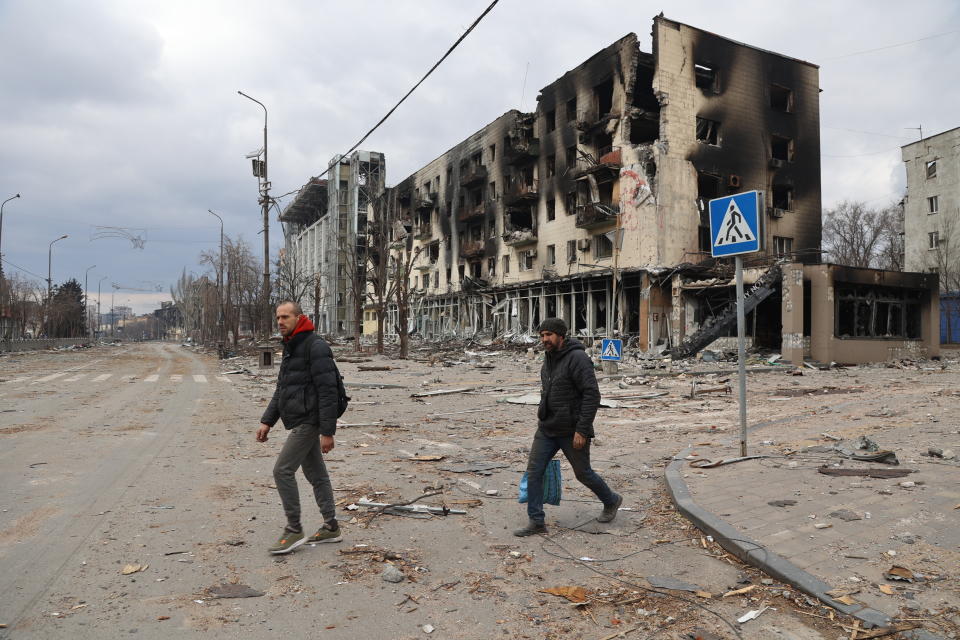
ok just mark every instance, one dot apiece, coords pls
pixel 611 349
pixel 735 224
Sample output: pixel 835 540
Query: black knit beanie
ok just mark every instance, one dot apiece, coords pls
pixel 556 325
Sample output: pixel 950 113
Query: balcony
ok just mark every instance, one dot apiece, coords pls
pixel 520 192
pixel 608 163
pixel 590 119
pixel 425 201
pixel 424 232
pixel 596 214
pixel 477 212
pixel 520 237
pixel 473 175
pixel 474 249
pixel 521 151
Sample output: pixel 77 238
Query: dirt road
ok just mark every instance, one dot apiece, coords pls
pixel 143 457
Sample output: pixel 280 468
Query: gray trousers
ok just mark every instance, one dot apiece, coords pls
pixel 302 449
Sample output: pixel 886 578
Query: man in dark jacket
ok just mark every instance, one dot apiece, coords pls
pixel 306 399
pixel 568 404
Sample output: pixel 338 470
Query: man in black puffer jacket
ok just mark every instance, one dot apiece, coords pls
pixel 568 405
pixel 306 399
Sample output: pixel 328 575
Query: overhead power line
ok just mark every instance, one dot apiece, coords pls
pixel 892 46
pixel 414 88
pixel 16 266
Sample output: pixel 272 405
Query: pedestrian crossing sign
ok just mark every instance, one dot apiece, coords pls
pixel 735 224
pixel 611 349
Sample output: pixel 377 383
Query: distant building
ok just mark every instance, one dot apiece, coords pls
pixel 325 231
pixel 932 206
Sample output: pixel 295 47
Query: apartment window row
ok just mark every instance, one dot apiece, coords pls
pixel 570 113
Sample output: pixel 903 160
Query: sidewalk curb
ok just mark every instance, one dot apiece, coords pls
pixel 755 554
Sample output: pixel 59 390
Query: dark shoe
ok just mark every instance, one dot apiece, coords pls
pixel 610 510
pixel 532 528
pixel 327 533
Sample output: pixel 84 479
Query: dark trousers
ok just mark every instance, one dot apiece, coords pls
pixel 302 449
pixel 543 449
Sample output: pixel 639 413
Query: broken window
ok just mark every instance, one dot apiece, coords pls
pixel 493 190
pixel 475 268
pixel 525 258
pixel 933 240
pixel 877 312
pixel 708 188
pixel 551 254
pixel 782 197
pixel 491 228
pixel 707 77
pixel 571 157
pixel 493 152
pixel 782 246
pixel 603 97
pixel 551 165
pixel 781 98
pixel 933 204
pixel 506 264
pixel 491 267
pixel 708 131
pixel 460 270
pixel 433 252
pixel 572 109
pixel 551 120
pixel 704 242
pixel 932 169
pixel 520 218
pixel 570 203
pixel 426 281
pixel 602 246
pixel 781 148
pixel 449 272
pixel 551 209
pixel 476 160
pixel 476 197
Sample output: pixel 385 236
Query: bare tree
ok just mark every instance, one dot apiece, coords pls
pixel 382 287
pixel 853 234
pixel 291 281
pixel 403 256
pixel 24 298
pixel 892 251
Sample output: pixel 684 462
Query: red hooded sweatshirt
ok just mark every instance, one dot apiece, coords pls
pixel 303 324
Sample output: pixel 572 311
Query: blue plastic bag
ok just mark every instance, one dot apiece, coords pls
pixel 551 484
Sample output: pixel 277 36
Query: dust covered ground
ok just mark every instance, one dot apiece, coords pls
pixel 153 498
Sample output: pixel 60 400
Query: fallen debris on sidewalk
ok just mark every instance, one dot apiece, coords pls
pixel 870 473
pixel 222 591
pixel 705 463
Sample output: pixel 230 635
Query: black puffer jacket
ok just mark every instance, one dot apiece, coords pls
pixel 570 395
pixel 306 386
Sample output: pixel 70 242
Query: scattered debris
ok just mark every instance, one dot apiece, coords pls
pixel 133 568
pixel 782 503
pixel 737 592
pixel 484 468
pixel 392 574
pixel 440 392
pixel 845 514
pixel 233 591
pixel 887 589
pixel 751 615
pixel 414 508
pixel 896 572
pixel 427 628
pixel 870 473
pixel 704 463
pixel 666 582
pixel 573 594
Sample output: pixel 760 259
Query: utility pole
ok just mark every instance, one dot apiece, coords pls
pixel 50 280
pixel 86 275
pixel 262 174
pixel 223 337
pixel 98 304
pixel 13 197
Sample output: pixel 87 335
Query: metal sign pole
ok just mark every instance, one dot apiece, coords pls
pixel 741 357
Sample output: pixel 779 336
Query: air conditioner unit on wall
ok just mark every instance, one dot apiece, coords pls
pixel 776 213
pixel 584 244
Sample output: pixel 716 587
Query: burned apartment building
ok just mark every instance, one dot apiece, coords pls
pixel 594 208
pixel 325 240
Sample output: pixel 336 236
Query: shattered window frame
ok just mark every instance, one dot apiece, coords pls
pixel 571 251
pixel 550 120
pixel 782 148
pixel 781 98
pixel 602 246
pixel 506 265
pixel 572 109
pixel 708 131
pixel 706 77
pixel 782 245
pixel 868 312
pixel 931 169
pixel 551 210
pixel 525 260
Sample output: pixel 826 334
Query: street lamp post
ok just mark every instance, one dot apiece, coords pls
pixel 223 337
pixel 13 197
pixel 113 315
pixel 86 295
pixel 265 204
pixel 50 277
pixel 98 302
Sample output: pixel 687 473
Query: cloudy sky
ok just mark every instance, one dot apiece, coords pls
pixel 126 113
